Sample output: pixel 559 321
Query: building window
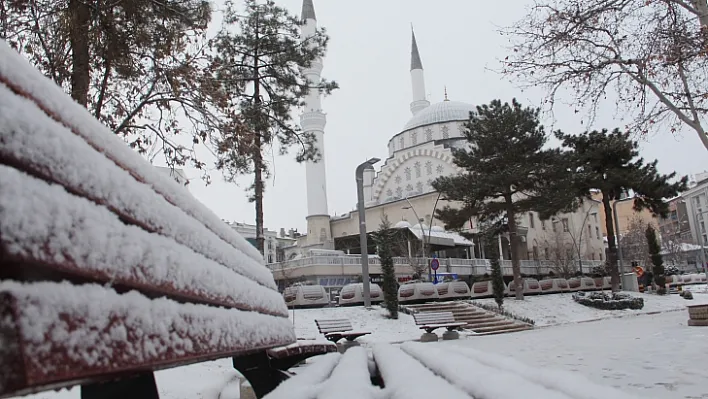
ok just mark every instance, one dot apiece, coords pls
pixel 553 225
pixel 545 253
pixel 594 216
pixel 535 252
pixel 589 231
pixel 401 142
pixel 414 138
pixel 416 166
pixel 407 171
pixel 429 168
pixel 543 225
pixel 445 132
pixel 597 232
pixel 565 224
pixel 419 186
pixel 428 134
pixel 531 222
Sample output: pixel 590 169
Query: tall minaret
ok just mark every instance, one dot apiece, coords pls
pixel 313 121
pixel 417 78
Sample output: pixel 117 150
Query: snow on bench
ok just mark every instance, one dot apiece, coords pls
pixel 431 321
pixel 109 269
pixel 424 371
pixel 336 329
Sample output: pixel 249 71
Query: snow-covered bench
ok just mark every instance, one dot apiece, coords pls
pixel 419 371
pixel 336 329
pixel 431 321
pixel 109 269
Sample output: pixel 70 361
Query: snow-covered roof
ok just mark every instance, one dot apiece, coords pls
pixel 436 234
pixel 444 111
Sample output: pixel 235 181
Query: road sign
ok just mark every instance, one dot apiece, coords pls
pixel 434 264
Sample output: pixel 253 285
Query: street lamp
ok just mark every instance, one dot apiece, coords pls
pixel 362 227
pixel 619 247
pixel 430 227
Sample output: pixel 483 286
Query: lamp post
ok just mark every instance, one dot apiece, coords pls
pixel 619 247
pixel 362 227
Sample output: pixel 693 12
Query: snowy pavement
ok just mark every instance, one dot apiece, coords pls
pixel 557 309
pixel 655 356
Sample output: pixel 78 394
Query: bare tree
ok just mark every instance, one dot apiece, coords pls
pixel 634 243
pixel 560 251
pixel 673 247
pixel 651 54
pixel 410 250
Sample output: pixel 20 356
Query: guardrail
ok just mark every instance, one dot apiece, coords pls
pixel 450 265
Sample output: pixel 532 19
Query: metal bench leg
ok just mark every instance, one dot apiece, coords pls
pixel 138 386
pixel 259 372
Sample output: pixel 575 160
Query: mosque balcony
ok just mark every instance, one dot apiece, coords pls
pixel 313 120
pixel 314 69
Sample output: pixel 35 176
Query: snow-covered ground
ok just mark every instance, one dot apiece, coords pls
pixel 555 309
pixel 656 356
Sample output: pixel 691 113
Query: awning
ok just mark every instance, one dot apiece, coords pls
pixel 441 238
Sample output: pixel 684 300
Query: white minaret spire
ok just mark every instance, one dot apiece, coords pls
pixel 313 121
pixel 417 78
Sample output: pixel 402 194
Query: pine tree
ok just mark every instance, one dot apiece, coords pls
pixel 610 162
pixel 261 67
pixel 506 172
pixel 137 65
pixel 656 259
pixel 384 238
pixel 497 276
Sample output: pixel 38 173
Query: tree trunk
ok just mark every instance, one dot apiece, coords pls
pixel 514 242
pixel 611 243
pixel 257 151
pixel 702 8
pixel 80 13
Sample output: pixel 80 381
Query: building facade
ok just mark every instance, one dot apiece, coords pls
pixel 271 244
pixel 696 202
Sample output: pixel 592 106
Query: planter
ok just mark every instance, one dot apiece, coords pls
pixel 698 315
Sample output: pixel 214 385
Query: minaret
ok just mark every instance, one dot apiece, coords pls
pixel 417 79
pixel 313 121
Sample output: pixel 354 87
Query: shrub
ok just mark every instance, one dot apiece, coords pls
pixel 687 295
pixel 604 301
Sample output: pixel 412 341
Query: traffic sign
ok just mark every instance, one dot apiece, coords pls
pixel 434 264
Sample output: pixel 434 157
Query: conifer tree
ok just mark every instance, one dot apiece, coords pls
pixel 656 259
pixel 260 65
pixel 498 287
pixel 610 162
pixel 505 172
pixel 385 240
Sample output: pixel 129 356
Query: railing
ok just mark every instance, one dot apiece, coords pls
pixel 450 265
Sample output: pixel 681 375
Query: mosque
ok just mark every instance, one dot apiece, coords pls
pixel 401 189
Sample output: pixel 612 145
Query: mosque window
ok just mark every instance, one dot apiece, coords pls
pixel 402 142
pixel 399 192
pixel 409 188
pixel 430 182
pixel 389 193
pixel 429 168
pixel 416 166
pixel 439 169
pixel 397 179
pixel 445 132
pixel 407 171
pixel 414 138
pixel 419 186
pixel 428 134
pixel 461 128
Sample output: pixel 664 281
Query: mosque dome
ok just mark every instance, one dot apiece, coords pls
pixel 445 111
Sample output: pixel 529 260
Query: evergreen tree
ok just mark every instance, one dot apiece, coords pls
pixel 384 238
pixel 610 162
pixel 498 286
pixel 506 172
pixel 656 259
pixel 137 65
pixel 261 67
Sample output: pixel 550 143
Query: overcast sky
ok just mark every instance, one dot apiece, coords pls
pixel 369 56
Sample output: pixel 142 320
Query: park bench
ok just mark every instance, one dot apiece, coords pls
pixel 431 321
pixel 336 329
pixel 110 270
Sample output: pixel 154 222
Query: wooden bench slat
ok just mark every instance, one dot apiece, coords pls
pixel 397 378
pixel 56 334
pixel 351 378
pixel 23 79
pixel 70 162
pixel 90 242
pixel 301 347
pixel 305 384
pixel 475 378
